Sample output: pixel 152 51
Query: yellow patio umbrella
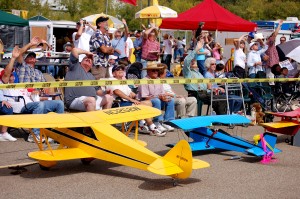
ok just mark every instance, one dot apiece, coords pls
pixel 156 12
pixel 113 22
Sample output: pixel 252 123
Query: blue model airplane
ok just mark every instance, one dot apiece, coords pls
pixel 205 138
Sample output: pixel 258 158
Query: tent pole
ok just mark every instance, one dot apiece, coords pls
pixel 216 35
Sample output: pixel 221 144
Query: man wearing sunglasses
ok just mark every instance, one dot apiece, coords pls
pixel 159 99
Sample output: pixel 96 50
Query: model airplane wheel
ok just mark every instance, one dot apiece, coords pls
pixel 44 168
pixel 87 161
pixel 287 140
pixel 46 165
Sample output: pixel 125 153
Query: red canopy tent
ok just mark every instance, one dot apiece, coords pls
pixel 215 17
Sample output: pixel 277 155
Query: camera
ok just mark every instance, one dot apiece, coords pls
pixel 84 22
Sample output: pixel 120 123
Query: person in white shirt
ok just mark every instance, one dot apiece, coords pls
pixel 254 60
pixel 184 106
pixel 128 98
pixel 81 38
pixel 129 47
pixel 239 62
pixel 167 50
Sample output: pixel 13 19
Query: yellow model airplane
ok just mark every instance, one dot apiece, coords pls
pixel 102 141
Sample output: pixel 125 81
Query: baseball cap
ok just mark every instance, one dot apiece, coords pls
pixel 30 54
pixel 101 19
pixel 67 44
pixel 118 67
pixel 251 34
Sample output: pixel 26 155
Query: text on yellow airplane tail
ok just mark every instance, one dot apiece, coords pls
pixel 178 162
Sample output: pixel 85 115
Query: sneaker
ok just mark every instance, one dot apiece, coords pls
pixel 161 128
pixel 31 139
pixel 144 129
pixel 157 132
pixel 168 127
pixel 7 137
pixel 50 140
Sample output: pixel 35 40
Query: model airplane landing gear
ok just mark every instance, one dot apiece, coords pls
pixel 175 182
pixel 46 165
pixel 87 161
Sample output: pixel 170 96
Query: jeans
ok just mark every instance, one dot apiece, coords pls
pixel 169 110
pixel 235 104
pixel 53 70
pixel 180 52
pixel 144 72
pixel 43 107
pixel 138 58
pixel 167 60
pixel 4 110
pixel 202 68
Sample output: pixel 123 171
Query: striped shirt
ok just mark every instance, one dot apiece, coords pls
pixel 149 46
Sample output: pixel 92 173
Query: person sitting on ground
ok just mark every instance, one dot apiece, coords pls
pixel 30 107
pixel 128 98
pixel 156 94
pixel 84 98
pixel 184 106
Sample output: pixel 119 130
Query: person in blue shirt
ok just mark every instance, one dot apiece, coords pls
pixel 137 44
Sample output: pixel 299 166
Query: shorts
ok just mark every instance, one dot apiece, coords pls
pixel 78 104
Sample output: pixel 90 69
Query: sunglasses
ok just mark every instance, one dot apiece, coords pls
pixel 154 70
pixel 213 64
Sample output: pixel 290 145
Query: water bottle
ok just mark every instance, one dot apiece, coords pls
pixel 213 112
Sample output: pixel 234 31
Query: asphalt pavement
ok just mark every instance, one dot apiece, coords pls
pixel 240 178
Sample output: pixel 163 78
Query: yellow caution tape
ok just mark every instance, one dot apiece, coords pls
pixel 106 82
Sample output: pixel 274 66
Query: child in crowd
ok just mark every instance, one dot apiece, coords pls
pixel 217 52
pixel 220 70
pixel 284 72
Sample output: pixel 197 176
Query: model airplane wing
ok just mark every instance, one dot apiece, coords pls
pixel 294 114
pixel 280 124
pixel 83 119
pixel 59 154
pixel 204 121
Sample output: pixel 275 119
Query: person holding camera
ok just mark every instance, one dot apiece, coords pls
pixel 81 38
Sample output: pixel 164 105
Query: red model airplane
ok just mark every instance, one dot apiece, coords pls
pixel 289 124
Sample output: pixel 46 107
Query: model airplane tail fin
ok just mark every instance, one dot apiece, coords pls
pixel 267 142
pixel 178 162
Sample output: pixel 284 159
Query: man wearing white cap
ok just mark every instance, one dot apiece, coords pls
pixel 110 64
pixel 254 61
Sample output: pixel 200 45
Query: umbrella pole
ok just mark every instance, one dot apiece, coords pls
pixel 106 7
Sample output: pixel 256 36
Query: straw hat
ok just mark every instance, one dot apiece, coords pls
pixel 152 66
